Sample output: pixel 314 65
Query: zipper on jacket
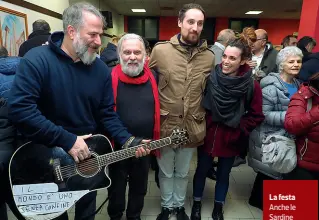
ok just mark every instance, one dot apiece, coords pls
pixel 214 138
pixel 304 146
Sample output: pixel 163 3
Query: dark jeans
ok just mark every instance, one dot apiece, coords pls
pixel 5 189
pixel 256 195
pixel 155 167
pixel 135 171
pixel 83 208
pixel 204 163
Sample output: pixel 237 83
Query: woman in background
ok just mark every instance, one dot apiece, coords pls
pixel 277 90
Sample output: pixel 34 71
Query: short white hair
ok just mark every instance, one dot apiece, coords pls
pixel 129 37
pixel 285 53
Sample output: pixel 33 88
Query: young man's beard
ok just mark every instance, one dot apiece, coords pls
pixel 189 40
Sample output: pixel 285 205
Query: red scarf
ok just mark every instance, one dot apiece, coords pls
pixel 117 74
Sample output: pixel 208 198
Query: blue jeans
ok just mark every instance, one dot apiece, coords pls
pixel 204 164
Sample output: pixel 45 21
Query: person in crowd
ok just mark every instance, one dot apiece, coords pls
pixel 148 50
pixel 263 60
pixel 277 90
pixel 306 45
pixel 39 36
pixel 289 40
pixel 109 54
pixel 223 38
pixel 61 94
pixel 183 65
pixel 8 66
pixel 309 67
pixel 130 79
pixel 302 121
pixel 228 123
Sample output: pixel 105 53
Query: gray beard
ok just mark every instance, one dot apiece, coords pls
pixel 82 51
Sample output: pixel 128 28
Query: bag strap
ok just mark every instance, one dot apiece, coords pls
pixel 309 104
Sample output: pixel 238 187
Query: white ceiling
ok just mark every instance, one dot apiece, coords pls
pixel 214 8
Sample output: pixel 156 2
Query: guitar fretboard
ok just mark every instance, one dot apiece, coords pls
pixel 130 152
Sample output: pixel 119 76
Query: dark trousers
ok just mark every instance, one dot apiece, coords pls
pixel 256 195
pixel 155 167
pixel 204 163
pixel 85 207
pixel 135 172
pixel 302 174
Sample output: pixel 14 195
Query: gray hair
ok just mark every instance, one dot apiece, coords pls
pixel 225 36
pixel 129 37
pixel 41 25
pixel 285 53
pixel 73 15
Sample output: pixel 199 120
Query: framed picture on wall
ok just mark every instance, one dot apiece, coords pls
pixel 14 30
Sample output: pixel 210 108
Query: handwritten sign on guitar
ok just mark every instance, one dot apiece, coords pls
pixel 39 199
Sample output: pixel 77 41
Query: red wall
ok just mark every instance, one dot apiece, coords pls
pixel 277 29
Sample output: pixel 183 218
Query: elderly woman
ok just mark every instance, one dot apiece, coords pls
pixel 302 121
pixel 277 90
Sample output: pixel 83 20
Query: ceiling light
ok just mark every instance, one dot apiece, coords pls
pixel 253 12
pixel 138 10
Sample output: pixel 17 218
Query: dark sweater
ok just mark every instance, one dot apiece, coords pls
pixel 54 99
pixel 136 108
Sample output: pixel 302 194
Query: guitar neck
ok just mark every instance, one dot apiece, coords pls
pixel 130 152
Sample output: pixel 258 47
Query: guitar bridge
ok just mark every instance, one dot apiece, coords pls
pixel 57 171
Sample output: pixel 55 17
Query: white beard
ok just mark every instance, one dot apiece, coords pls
pixel 132 72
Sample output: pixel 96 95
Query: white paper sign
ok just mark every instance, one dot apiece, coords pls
pixel 48 202
pixel 34 188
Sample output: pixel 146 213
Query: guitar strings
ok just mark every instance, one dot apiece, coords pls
pixel 113 157
pixel 93 163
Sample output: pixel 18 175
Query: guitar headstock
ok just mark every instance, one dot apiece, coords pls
pixel 179 137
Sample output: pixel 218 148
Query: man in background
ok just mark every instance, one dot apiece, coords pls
pixel 218 48
pixel 289 40
pixel 39 36
pixel 8 66
pixel 264 56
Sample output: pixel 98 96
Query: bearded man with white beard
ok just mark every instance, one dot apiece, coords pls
pixel 62 94
pixel 137 104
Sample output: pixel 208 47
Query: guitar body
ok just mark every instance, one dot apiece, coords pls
pixel 46 182
pixel 39 193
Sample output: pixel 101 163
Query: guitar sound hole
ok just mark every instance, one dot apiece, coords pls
pixel 88 167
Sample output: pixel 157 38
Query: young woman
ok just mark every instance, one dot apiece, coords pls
pixel 233 102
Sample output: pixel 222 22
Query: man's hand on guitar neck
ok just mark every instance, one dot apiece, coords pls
pixel 134 141
pixel 140 152
pixel 80 150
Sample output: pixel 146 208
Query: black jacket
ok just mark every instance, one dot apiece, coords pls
pixel 268 63
pixel 109 55
pixel 309 67
pixel 35 39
